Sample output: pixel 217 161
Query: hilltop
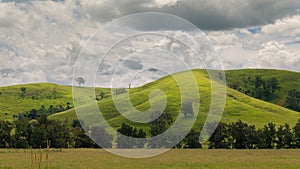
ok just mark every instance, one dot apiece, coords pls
pixel 238 105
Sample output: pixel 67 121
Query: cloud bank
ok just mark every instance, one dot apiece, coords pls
pixel 40 40
pixel 208 15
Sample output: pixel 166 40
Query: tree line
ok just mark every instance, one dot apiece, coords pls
pixel 36 113
pixel 265 89
pixel 257 87
pixel 293 100
pixel 25 133
pixel 240 135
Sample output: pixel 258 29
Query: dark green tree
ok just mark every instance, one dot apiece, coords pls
pixel 251 137
pixel 141 141
pixel 23 92
pixel 239 134
pixel 102 95
pixel 80 139
pixel 5 134
pixel 267 137
pixel 274 84
pixel 258 87
pixel 187 108
pixel 57 133
pixel 220 137
pixel 192 140
pixel 288 137
pixel 126 135
pixel 101 137
pixel 37 135
pixel 293 100
pixel 159 126
pixel 32 114
pixel 80 81
pixel 129 137
pixel 280 137
pixel 297 134
pixel 21 133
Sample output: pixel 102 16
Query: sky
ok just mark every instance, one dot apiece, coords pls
pixel 40 41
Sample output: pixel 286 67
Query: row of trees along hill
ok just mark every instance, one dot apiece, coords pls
pixel 257 87
pixel 265 89
pixel 25 133
pixel 240 135
pixel 36 113
pixel 293 100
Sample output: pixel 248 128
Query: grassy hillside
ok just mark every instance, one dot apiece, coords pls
pixel 238 105
pixel 287 80
pixel 12 102
pixel 36 95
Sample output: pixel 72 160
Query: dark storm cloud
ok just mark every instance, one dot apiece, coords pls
pixel 209 15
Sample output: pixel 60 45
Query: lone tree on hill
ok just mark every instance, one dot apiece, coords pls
pixel 187 108
pixel 80 81
pixel 23 92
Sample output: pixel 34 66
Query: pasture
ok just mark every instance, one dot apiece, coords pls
pixel 175 159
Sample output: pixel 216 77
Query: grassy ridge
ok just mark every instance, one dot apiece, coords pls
pixel 238 105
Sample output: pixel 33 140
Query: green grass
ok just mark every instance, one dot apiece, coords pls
pixel 287 80
pixel 44 94
pixel 175 159
pixel 238 106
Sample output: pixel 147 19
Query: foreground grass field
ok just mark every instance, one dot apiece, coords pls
pixel 175 159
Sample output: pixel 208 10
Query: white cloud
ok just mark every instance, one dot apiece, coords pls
pixel 40 40
pixel 268 48
pixel 289 26
pixel 222 37
pixel 274 55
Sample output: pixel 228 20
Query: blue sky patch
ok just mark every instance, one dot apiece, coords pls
pixel 255 30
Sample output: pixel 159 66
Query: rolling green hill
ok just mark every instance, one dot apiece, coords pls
pixel 238 106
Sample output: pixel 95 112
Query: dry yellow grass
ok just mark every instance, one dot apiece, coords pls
pixel 175 159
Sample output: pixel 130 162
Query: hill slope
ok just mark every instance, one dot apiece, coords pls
pixel 13 101
pixel 238 105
